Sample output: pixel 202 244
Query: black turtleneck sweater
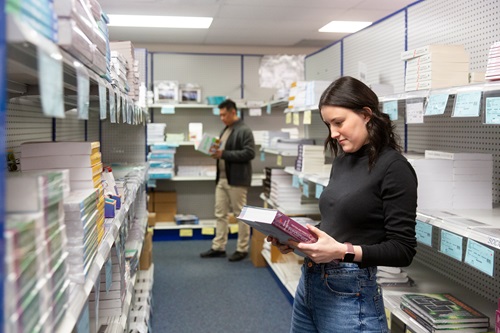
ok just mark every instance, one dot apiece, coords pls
pixel 375 208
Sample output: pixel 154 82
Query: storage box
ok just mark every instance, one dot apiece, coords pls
pixel 165 197
pixel 256 244
pixel 276 255
pixel 151 219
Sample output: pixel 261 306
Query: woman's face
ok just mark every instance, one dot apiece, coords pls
pixel 347 126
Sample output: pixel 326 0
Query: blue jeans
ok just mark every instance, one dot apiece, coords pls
pixel 338 297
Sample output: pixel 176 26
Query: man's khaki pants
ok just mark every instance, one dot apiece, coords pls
pixel 229 199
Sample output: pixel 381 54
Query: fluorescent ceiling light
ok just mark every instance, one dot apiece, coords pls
pixel 149 21
pixel 344 26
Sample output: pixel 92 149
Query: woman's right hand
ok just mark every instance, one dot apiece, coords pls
pixel 283 248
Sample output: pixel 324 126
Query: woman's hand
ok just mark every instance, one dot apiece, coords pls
pixel 325 250
pixel 283 248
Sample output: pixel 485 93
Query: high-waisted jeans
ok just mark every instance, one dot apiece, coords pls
pixel 338 297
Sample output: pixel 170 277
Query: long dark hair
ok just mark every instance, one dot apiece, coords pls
pixel 350 93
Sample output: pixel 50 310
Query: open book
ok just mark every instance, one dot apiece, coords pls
pixel 274 223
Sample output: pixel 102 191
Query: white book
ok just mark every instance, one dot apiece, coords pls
pixel 440 57
pixel 60 161
pixel 49 148
pixel 457 156
pixel 451 49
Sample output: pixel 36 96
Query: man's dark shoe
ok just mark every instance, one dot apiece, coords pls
pixel 237 256
pixel 213 254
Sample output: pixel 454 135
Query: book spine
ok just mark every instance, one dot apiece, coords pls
pixel 293 228
pixel 417 318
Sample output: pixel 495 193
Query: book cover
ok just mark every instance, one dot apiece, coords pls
pixel 208 144
pixel 49 148
pixel 275 223
pixel 446 327
pixel 442 308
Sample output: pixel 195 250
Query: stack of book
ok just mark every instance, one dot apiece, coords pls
pixel 436 66
pixel 38 15
pixel 161 161
pixel 310 159
pixel 268 136
pixel 126 49
pixel 81 216
pixel 156 132
pixel 109 296
pixel 119 71
pixel 392 276
pixel 83 159
pixel 36 275
pixel 269 173
pixel 454 180
pixel 443 312
pixel 493 65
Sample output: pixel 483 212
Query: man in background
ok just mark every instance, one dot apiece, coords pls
pixel 234 157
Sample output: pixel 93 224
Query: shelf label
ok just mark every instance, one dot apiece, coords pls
pixel 415 113
pixel 436 104
pixel 208 231
pixel 480 257
pixel 50 80
pixel 262 156
pixel 307 117
pixel 255 112
pixel 83 87
pixel 279 160
pixel 233 228
pixel 467 104
pixel 296 118
pixel 319 190
pixel 216 111
pixel 305 189
pixel 185 232
pixel 492 111
pixel 167 109
pixel 288 118
pixel 109 273
pixel 451 245
pixel 295 181
pixel 118 107
pixel 268 109
pixel 424 233
pixel 391 108
pixel 102 101
pixel 83 324
pixel 112 105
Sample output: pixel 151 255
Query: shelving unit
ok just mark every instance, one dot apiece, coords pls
pixel 21 52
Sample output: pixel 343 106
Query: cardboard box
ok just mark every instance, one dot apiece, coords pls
pixel 151 219
pixel 146 259
pixel 276 255
pixel 256 244
pixel 161 197
pixel 151 202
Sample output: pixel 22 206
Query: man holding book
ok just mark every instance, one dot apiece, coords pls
pixel 234 155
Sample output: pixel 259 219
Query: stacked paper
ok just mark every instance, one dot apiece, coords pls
pixel 119 71
pixel 436 66
pixel 109 297
pixel 454 180
pixel 268 136
pixel 132 76
pixel 81 218
pixel 161 161
pixel 297 94
pixel 493 65
pixel 36 275
pixel 282 191
pixel 310 159
pixel 79 33
pixel 392 276
pixel 38 15
pixel 156 132
pixel 289 146
pixel 314 90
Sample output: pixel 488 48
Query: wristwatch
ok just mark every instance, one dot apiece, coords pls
pixel 349 254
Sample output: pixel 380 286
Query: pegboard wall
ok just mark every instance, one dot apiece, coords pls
pixel 123 143
pixel 323 65
pixel 465 275
pixel 476 25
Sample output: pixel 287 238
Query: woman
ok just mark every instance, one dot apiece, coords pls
pixel 368 213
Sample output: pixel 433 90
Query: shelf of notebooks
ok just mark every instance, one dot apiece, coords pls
pixel 32 63
pixel 80 292
pixel 256 179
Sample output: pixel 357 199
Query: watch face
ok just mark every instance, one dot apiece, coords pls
pixel 349 257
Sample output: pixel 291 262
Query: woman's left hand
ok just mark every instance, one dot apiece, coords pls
pixel 325 250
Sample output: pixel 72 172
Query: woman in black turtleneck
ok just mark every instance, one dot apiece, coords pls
pixel 368 213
